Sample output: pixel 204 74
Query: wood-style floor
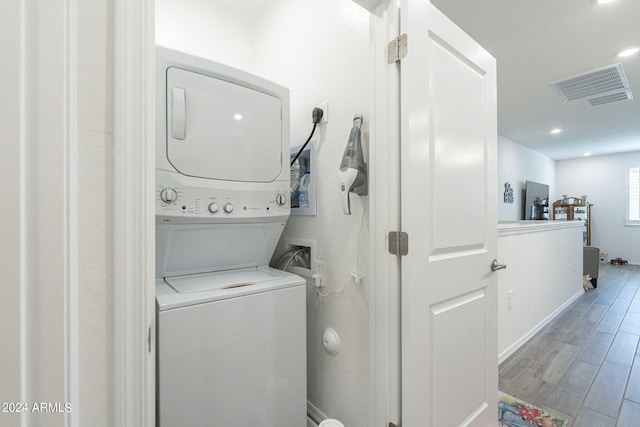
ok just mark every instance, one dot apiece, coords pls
pixel 585 365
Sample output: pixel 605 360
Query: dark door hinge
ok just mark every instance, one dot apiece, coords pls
pixel 398 243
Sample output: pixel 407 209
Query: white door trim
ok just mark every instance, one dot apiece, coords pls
pixel 384 186
pixel 40 229
pixel 133 215
pixel 72 315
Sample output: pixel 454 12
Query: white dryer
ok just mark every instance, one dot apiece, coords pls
pixel 231 332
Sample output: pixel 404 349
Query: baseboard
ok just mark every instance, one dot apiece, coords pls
pixel 526 337
pixel 314 413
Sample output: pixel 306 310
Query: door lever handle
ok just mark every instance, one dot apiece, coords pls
pixel 495 266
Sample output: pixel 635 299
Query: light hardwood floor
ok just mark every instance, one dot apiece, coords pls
pixel 585 365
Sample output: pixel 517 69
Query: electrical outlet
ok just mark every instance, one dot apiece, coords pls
pixel 317 281
pixel 324 106
pixel 510 299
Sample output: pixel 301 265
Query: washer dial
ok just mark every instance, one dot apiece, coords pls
pixel 168 195
pixel 281 200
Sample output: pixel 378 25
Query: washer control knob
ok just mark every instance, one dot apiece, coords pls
pixel 228 208
pixel 168 195
pixel 281 200
pixel 213 207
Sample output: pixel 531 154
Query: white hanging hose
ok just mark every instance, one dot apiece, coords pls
pixel 356 277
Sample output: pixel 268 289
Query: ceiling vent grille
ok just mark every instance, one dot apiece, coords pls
pixel 612 97
pixel 592 83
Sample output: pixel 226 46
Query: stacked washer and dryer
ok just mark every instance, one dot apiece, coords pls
pixel 231 332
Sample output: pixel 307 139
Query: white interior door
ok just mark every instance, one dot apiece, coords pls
pixel 448 209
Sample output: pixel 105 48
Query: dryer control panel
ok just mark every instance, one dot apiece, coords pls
pixel 177 200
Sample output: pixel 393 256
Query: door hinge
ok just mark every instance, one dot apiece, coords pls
pixel 149 338
pixel 398 243
pixel 397 49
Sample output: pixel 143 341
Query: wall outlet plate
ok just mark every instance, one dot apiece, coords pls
pixel 324 106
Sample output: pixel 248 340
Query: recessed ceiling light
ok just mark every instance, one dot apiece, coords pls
pixel 555 131
pixel 587 154
pixel 629 52
pixel 604 1
pixel 237 116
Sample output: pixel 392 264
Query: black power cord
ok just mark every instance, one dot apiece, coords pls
pixel 316 116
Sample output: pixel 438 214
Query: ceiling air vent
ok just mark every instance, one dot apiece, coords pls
pixel 612 97
pixel 592 83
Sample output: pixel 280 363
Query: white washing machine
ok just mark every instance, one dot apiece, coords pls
pixel 231 332
pixel 231 349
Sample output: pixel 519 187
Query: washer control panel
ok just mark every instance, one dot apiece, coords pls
pixel 174 200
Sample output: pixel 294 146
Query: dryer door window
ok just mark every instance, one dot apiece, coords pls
pixel 221 130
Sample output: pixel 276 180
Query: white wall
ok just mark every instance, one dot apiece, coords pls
pixel 210 29
pixel 319 50
pixel 544 274
pixel 516 165
pixel 603 179
pixel 326 59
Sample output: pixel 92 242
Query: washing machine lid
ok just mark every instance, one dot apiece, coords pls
pixel 222 280
pixel 185 249
pixel 185 291
pixel 221 130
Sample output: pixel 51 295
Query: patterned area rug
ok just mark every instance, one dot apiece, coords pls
pixel 514 412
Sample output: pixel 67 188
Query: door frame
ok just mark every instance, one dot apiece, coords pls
pixel 384 216
pixel 134 215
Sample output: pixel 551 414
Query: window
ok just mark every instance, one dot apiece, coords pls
pixel 633 194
